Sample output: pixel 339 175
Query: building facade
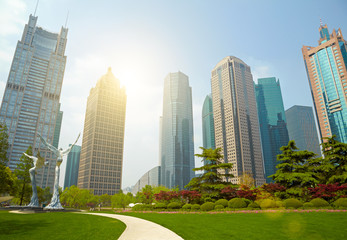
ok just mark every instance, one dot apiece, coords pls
pixel 272 121
pixel 30 105
pixel 208 124
pixel 177 144
pixel 72 166
pixel 302 128
pixel 151 178
pixel 327 75
pixel 103 137
pixel 236 120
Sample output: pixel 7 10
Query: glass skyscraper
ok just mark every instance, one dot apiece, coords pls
pixel 208 124
pixel 31 100
pixel 177 146
pixel 327 75
pixel 272 121
pixel 101 159
pixel 72 166
pixel 302 128
pixel 236 120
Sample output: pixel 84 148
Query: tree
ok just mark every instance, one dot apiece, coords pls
pixel 215 174
pixel 335 152
pixel 105 199
pixel 7 180
pixel 146 195
pixel 120 200
pixel 3 144
pixel 77 198
pixel 22 173
pixel 292 171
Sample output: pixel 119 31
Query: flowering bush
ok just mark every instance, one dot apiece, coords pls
pixel 228 193
pixel 166 197
pixel 246 192
pixel 190 196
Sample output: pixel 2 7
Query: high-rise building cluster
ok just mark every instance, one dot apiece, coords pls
pixel 246 119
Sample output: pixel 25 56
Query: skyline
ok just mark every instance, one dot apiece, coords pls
pixel 164 43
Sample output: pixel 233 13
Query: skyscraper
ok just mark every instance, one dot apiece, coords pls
pixel 235 118
pixel 177 146
pixel 72 166
pixel 31 101
pixel 327 75
pixel 302 128
pixel 208 124
pixel 103 137
pixel 272 120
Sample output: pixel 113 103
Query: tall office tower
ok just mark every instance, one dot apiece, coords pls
pixel 177 153
pixel 103 137
pixel 327 74
pixel 31 101
pixel 72 166
pixel 208 124
pixel 272 120
pixel 302 128
pixel 236 120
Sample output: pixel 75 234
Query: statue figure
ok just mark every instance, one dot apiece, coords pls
pixel 38 163
pixel 55 201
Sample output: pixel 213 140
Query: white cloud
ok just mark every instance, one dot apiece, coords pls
pixel 11 16
pixel 260 68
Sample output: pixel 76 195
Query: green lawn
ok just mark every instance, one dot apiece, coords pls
pixel 59 225
pixel 278 225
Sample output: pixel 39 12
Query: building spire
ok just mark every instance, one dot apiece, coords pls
pixel 37 3
pixel 321 23
pixel 67 17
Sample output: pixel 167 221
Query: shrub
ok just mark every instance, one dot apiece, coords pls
pixel 268 203
pixel 292 203
pixel 195 207
pixel 237 203
pixel 319 202
pixel 159 205
pixel 174 205
pixel 341 202
pixel 228 192
pixel 219 207
pixel 187 206
pixel 253 205
pixel 307 205
pixel 279 204
pixel 222 202
pixel 208 206
pixel 142 207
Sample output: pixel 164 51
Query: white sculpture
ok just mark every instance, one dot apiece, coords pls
pixel 55 201
pixel 38 163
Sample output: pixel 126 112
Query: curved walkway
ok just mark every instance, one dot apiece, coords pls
pixel 140 229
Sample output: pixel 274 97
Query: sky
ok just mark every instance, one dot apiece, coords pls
pixel 143 41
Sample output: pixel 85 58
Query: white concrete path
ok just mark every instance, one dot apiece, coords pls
pixel 140 229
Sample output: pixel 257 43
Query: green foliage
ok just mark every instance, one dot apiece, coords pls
pixel 292 203
pixel 215 170
pixel 237 203
pixel 268 203
pixel 174 205
pixel 23 177
pixel 207 206
pixel 341 202
pixel 307 205
pixel 195 207
pixel 222 202
pixel 160 206
pixel 253 205
pixel 142 207
pixel 319 203
pixel 292 171
pixel 3 145
pixel 279 204
pixel 105 199
pixel 7 180
pixel 120 200
pixel 187 206
pixel 146 195
pixel 77 198
pixel 218 207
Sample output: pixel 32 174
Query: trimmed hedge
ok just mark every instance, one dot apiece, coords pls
pixel 307 205
pixel 253 205
pixel 341 202
pixel 268 203
pixel 222 202
pixel 279 204
pixel 142 207
pixel 207 206
pixel 237 203
pixel 292 203
pixel 187 206
pixel 319 202
pixel 174 205
pixel 195 207
pixel 160 205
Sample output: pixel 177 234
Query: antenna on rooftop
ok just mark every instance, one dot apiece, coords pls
pixel 67 17
pixel 37 3
pixel 321 23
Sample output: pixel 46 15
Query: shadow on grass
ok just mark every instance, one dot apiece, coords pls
pixel 9 227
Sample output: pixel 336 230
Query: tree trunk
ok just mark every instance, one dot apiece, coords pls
pixel 21 198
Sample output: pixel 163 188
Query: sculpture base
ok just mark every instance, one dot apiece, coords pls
pixel 27 209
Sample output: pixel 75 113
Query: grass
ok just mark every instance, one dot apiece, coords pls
pixel 58 225
pixel 267 225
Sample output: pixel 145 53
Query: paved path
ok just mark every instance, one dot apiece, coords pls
pixel 140 229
